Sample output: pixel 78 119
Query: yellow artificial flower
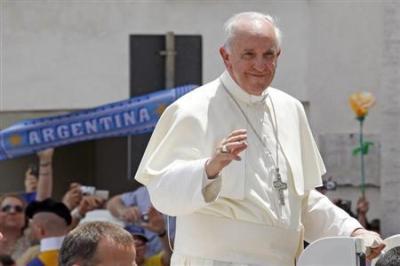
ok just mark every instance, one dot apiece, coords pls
pixel 361 102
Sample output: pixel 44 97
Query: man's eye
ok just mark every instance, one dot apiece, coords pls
pixel 248 55
pixel 270 54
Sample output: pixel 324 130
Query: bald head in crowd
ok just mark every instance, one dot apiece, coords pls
pixel 96 244
pixel 48 224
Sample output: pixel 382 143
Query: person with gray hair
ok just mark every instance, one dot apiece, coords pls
pixel 390 258
pixel 98 243
pixel 236 162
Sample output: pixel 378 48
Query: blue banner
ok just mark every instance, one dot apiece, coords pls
pixel 129 117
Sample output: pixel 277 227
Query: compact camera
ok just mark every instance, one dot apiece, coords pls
pixel 92 191
pixel 88 190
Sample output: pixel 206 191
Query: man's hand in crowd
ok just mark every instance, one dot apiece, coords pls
pixel 228 150
pixel 131 214
pixel 73 196
pixel 372 242
pixel 362 205
pixel 89 203
pixel 155 221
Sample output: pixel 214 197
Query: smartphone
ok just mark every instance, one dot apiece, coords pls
pixel 34 169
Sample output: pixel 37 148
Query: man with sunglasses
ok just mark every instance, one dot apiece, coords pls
pixel 12 209
pixel 12 224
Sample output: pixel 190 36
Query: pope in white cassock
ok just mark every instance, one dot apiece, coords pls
pixel 236 162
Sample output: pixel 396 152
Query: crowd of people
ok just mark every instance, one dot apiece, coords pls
pixel 35 227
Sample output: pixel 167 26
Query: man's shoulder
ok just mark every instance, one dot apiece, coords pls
pixel 132 197
pixel 155 260
pixel 196 101
pixel 203 92
pixel 35 262
pixel 282 94
pixel 45 258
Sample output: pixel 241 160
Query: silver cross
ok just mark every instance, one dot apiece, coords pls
pixel 280 186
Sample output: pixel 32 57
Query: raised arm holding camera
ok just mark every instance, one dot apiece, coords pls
pixel 135 208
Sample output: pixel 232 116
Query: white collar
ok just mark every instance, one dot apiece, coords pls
pixel 239 93
pixel 51 243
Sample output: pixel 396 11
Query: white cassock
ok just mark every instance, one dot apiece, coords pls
pixel 237 219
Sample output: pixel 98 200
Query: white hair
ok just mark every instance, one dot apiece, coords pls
pixel 230 25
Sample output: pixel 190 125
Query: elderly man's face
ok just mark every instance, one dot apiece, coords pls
pixel 252 57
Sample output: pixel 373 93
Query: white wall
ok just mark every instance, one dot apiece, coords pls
pixel 66 55
pixel 344 56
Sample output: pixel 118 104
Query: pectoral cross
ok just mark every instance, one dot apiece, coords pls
pixel 280 186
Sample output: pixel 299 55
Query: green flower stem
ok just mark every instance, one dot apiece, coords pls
pixel 362 185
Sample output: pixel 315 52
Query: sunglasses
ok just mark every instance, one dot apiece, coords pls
pixel 9 208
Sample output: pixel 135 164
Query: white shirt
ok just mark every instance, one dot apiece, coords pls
pixel 241 204
pixel 51 243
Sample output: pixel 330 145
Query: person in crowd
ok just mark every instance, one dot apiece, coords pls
pixel 344 205
pixel 156 224
pixel 133 208
pixel 39 181
pixel 73 196
pixel 98 243
pixel 50 222
pixel 79 204
pixel 15 239
pixel 362 210
pixel 236 159
pixel 87 204
pixel 17 235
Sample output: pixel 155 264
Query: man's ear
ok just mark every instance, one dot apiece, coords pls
pixel 279 52
pixel 225 56
pixel 39 230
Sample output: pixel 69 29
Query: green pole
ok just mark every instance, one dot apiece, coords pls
pixel 362 157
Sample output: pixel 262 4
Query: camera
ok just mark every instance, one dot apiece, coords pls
pixel 88 190
pixel 92 191
pixel 34 169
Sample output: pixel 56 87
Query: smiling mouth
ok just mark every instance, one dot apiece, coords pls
pixel 258 75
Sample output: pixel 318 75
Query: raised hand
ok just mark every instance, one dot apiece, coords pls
pixel 227 151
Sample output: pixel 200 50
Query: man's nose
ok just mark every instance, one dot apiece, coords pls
pixel 261 64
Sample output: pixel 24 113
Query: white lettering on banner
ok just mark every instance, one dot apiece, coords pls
pixel 62 132
pixel 106 122
pixel 129 118
pixel 76 129
pixel 144 115
pixel 34 138
pixel 91 126
pixel 48 134
pixel 88 127
pixel 118 122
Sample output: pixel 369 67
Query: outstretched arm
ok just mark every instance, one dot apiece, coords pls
pixel 321 218
pixel 45 182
